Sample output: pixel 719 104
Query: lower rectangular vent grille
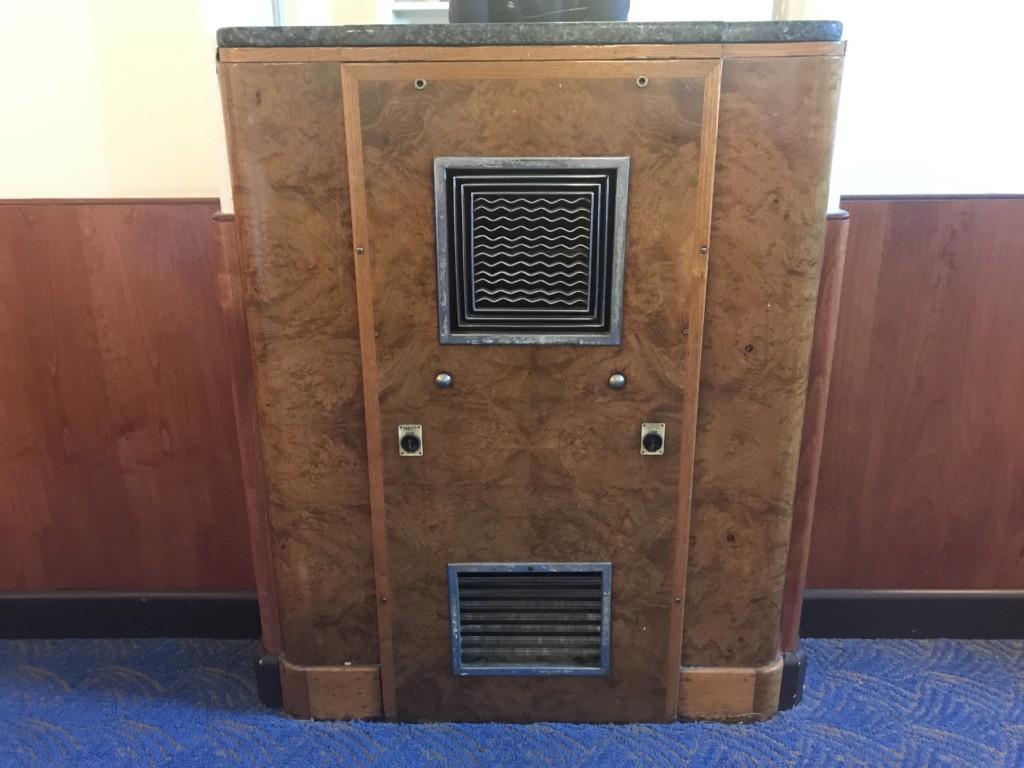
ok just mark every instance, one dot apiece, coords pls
pixel 530 618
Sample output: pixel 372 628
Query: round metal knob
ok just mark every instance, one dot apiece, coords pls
pixel 443 380
pixel 617 381
pixel 652 442
pixel 410 443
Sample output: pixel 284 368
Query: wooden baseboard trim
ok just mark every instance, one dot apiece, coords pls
pixel 739 694
pixel 331 693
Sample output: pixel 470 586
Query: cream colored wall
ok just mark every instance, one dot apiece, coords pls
pixel 118 98
pixel 931 98
pixel 113 98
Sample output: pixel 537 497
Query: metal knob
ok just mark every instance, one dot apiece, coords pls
pixel 443 380
pixel 617 381
pixel 410 443
pixel 653 442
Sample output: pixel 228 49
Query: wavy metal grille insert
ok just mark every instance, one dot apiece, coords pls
pixel 530 618
pixel 530 250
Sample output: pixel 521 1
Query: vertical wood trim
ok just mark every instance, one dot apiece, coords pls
pixel 688 430
pixel 820 374
pixel 371 394
pixel 227 251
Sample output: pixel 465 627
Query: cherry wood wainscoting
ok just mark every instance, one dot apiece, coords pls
pixel 120 359
pixel 119 459
pixel 922 468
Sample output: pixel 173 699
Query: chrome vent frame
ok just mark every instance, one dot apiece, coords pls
pixel 535 282
pixel 463 577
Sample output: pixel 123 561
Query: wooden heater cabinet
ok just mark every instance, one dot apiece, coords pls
pixel 530 310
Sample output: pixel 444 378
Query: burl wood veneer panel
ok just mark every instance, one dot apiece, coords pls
pixel 922 471
pixel 530 456
pixel 118 459
pixel 287 141
pixel 777 118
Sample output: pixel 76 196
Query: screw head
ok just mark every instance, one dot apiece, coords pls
pixel 703 249
pixel 617 381
pixel 360 250
pixel 443 380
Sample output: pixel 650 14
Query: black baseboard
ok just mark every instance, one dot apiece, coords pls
pixel 794 669
pixel 267 669
pixel 877 614
pixel 104 613
pixel 967 614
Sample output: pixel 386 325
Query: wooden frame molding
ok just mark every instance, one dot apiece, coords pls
pixel 698 298
pixel 741 694
pixel 527 53
pixel 371 394
pixel 331 693
pixel 819 376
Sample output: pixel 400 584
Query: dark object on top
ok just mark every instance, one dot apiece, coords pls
pixel 537 10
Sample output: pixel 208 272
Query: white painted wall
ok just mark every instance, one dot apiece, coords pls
pixel 113 98
pixel 700 10
pixel 933 95
pixel 118 98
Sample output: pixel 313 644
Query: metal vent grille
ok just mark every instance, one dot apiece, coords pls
pixel 530 251
pixel 530 618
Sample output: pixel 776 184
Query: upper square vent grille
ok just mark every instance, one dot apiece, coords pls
pixel 530 251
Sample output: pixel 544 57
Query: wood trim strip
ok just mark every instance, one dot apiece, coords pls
pixel 49 201
pixel 227 252
pixel 741 694
pixel 538 70
pixel 518 53
pixel 695 333
pixel 746 50
pixel 819 375
pixel 521 53
pixel 371 395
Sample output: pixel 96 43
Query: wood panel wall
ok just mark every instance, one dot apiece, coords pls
pixel 119 460
pixel 922 470
pixel 119 463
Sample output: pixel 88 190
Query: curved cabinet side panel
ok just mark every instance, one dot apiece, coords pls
pixel 287 149
pixel 777 120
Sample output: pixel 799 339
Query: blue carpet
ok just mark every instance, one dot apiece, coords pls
pixel 193 703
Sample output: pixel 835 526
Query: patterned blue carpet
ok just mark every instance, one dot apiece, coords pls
pixel 193 703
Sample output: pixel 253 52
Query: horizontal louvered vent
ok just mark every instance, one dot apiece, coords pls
pixel 531 251
pixel 536 618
